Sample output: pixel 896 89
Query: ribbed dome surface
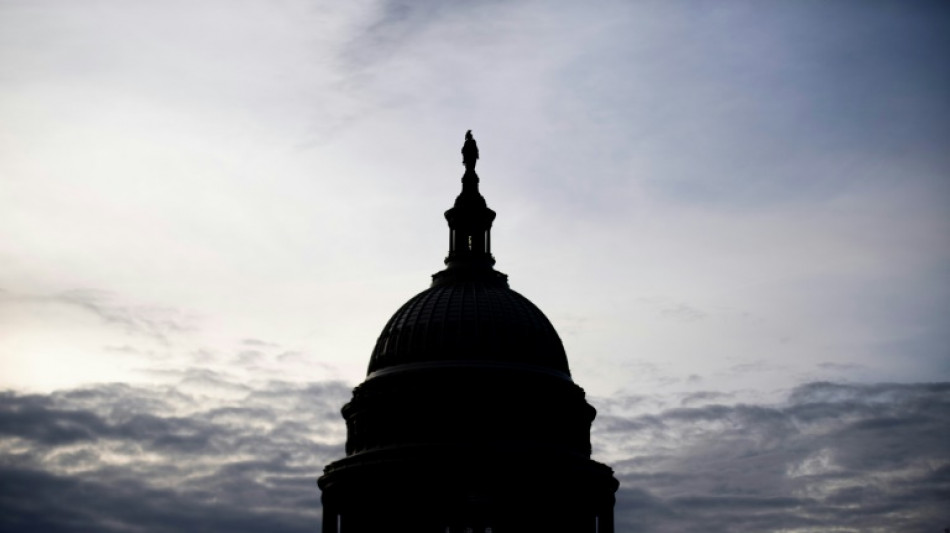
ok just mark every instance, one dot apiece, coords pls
pixel 474 319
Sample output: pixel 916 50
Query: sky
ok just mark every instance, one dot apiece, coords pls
pixel 736 214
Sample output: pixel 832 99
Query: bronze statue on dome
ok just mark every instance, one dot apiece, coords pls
pixel 469 152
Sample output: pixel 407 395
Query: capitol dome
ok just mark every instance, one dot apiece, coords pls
pixel 478 319
pixel 469 315
pixel 468 420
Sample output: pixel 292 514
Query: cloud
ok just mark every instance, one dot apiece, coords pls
pixel 257 343
pixel 832 457
pixel 703 396
pixel 38 501
pixel 156 322
pixel 682 312
pixel 120 458
pixel 117 458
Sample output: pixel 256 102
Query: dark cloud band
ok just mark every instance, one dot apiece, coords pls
pixel 115 457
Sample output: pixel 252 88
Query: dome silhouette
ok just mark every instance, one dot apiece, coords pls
pixel 469 320
pixel 468 420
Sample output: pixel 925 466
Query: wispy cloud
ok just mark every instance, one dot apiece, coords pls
pixel 159 323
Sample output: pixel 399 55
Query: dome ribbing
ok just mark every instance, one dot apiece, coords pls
pixel 469 320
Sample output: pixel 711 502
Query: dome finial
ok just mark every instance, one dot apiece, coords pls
pixel 470 222
pixel 469 152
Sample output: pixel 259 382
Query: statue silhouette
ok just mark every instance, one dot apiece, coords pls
pixel 469 152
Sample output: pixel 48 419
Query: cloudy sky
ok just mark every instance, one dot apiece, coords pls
pixel 736 214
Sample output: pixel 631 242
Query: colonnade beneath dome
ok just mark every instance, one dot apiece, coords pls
pixel 380 492
pixel 334 522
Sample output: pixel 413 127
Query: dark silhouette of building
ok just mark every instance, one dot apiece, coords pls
pixel 468 420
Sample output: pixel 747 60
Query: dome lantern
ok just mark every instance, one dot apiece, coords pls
pixel 470 222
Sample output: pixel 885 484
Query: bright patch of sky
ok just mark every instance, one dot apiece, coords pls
pixel 701 196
